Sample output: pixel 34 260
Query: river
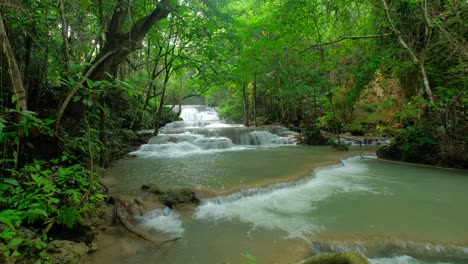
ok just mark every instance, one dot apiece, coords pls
pixel 280 202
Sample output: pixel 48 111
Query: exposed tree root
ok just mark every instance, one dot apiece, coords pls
pixel 124 212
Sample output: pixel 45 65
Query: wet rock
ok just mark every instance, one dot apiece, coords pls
pixel 340 146
pixel 64 251
pixel 336 258
pixel 171 197
pixel 21 232
pixel 26 233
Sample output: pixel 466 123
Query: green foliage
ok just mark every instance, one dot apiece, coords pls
pixel 57 195
pixel 356 129
pixel 414 135
pixel 311 135
pixel 251 259
pixel 412 112
pixel 167 116
pixel 37 193
pixel 231 110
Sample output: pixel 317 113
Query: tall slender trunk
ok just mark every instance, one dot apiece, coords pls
pixel 66 46
pixel 157 119
pixel 255 100
pixel 245 101
pixel 168 72
pixel 418 62
pixel 14 72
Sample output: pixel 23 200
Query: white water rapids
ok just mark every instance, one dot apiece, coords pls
pixel 202 132
pixel 392 213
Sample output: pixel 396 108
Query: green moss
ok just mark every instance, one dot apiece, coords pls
pixel 336 258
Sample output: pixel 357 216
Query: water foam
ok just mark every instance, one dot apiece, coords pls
pixel 163 220
pixel 287 208
pixel 401 260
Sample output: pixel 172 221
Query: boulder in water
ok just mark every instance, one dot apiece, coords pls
pixel 171 197
pixel 336 258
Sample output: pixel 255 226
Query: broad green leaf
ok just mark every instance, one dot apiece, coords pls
pixel 6 221
pixel 248 256
pixel 11 181
pixel 15 242
pixel 84 4
pixel 37 211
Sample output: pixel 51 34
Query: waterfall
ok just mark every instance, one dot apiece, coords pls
pixel 202 131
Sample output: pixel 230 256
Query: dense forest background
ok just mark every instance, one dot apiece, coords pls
pixel 78 78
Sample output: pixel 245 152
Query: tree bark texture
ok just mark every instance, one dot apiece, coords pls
pixel 66 47
pixel 13 70
pixel 255 100
pixel 123 43
pixel 118 46
pixel 245 101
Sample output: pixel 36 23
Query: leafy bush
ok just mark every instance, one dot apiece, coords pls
pixel 57 195
pixel 414 135
pixel 232 112
pixel 311 135
pixel 54 194
pixel 355 129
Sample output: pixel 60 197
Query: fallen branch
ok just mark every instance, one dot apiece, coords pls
pixel 344 38
pixel 121 213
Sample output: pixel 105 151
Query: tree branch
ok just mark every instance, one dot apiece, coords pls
pixel 77 86
pixel 117 21
pixel 143 25
pixel 15 75
pixel 344 38
pixel 418 62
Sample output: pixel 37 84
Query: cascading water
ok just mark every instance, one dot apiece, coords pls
pixel 274 205
pixel 201 131
pixel 391 218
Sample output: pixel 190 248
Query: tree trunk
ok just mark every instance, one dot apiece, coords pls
pixel 15 75
pixel 245 101
pixel 418 62
pixel 167 76
pixel 118 46
pixel 255 100
pixel 66 47
pixel 122 44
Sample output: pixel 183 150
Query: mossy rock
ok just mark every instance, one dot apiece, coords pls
pixel 336 258
pixel 171 197
pixel 340 146
pixel 64 251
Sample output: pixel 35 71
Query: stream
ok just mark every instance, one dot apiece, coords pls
pixel 281 202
